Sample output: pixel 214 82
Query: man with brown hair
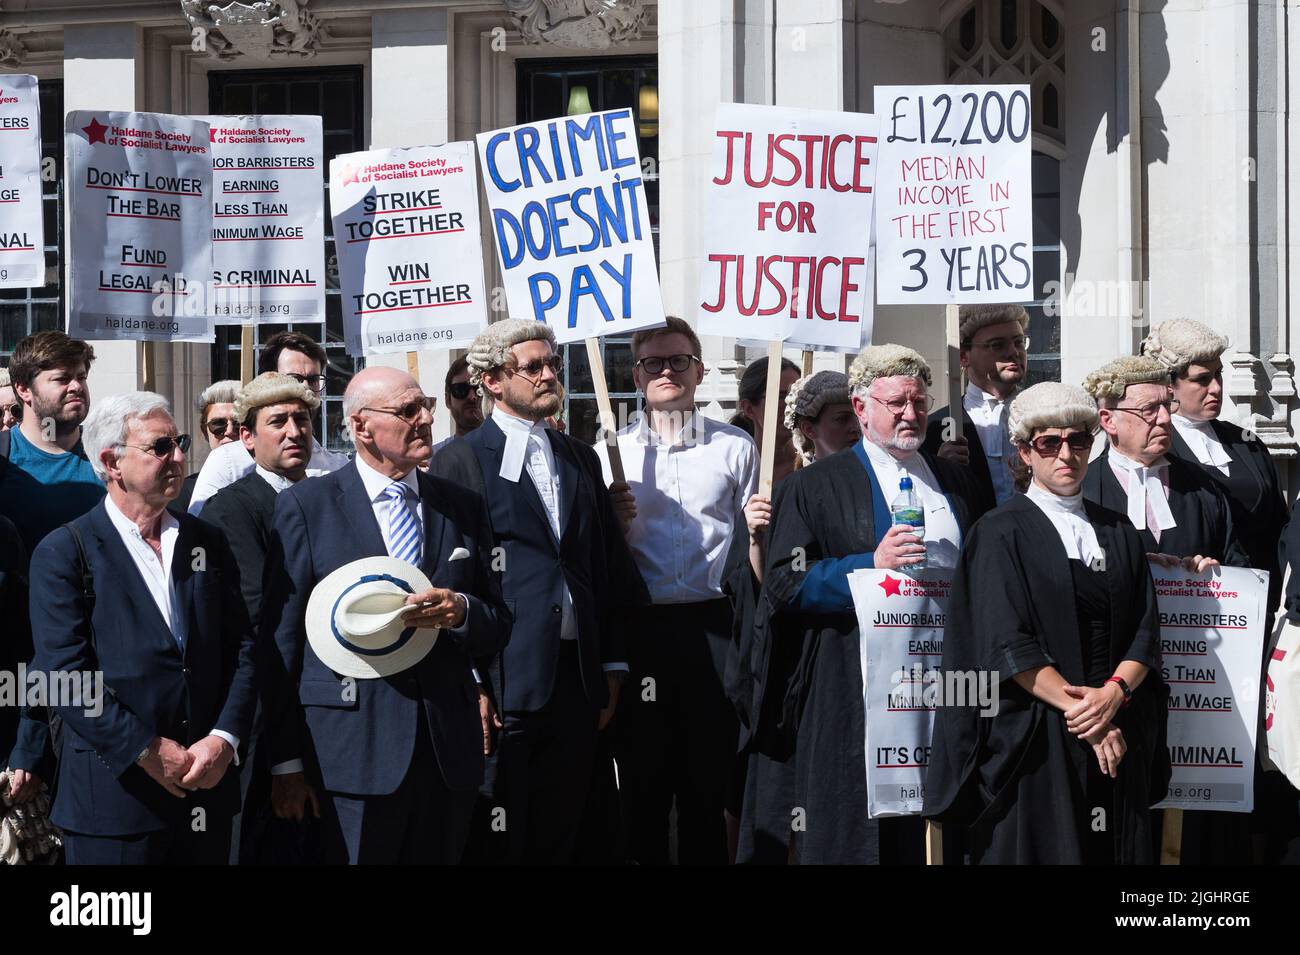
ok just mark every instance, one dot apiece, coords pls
pixel 689 477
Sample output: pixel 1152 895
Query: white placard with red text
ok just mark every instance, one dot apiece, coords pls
pixel 22 220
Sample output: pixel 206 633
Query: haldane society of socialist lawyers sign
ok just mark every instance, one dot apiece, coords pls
pixel 22 235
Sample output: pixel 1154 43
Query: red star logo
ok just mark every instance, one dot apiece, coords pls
pixel 212 134
pixel 891 586
pixel 95 131
pixel 349 173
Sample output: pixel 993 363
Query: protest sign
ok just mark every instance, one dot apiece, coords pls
pixel 426 288
pixel 572 226
pixel 901 619
pixel 268 219
pixel 954 198
pixel 1212 642
pixel 22 222
pixel 787 227
pixel 139 191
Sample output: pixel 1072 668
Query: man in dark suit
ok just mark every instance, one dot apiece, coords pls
pixel 994 354
pixel 398 757
pixel 150 602
pixel 570 580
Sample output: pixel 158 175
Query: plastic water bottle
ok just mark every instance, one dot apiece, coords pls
pixel 907 509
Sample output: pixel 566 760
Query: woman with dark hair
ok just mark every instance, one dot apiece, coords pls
pixel 1054 598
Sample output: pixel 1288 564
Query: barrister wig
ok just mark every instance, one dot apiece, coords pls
pixel 887 361
pixel 4 378
pixel 1050 404
pixel 971 318
pixel 1111 379
pixel 806 399
pixel 491 350
pixel 1180 342
pixel 271 388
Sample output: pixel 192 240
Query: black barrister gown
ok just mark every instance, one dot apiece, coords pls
pixel 808 672
pixel 1020 779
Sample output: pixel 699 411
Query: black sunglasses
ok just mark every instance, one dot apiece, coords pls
pixel 1049 445
pixel 218 427
pixel 655 365
pixel 534 368
pixel 15 410
pixel 460 390
pixel 164 446
pixel 410 412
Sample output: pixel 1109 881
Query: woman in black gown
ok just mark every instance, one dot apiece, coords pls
pixel 1053 595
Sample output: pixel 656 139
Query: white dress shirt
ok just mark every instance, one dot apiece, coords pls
pixel 156 572
pixel 1147 489
pixel 528 448
pixel 230 462
pixel 1203 442
pixel 689 497
pixel 1072 525
pixel 988 414
pixel 942 534
pixel 278 482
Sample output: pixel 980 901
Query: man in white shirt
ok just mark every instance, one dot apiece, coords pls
pixel 173 644
pixel 689 478
pixel 304 360
pixel 994 354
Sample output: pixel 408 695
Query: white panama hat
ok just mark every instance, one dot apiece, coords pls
pixel 354 618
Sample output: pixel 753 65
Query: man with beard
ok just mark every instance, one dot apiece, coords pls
pixel 828 521
pixel 45 479
pixel 994 353
pixel 570 584
pixel 463 403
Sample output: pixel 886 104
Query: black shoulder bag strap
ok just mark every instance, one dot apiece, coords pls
pixel 5 437
pixel 88 607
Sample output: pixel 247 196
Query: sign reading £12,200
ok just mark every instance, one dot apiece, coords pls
pixel 268 219
pixel 140 196
pixel 22 224
pixel 410 258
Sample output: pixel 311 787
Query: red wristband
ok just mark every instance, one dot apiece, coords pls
pixel 1123 687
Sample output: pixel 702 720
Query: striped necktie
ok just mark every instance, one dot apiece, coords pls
pixel 403 529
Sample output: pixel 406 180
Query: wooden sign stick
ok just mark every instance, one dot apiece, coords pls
pixel 607 420
pixel 955 390
pixel 771 415
pixel 413 364
pixel 148 366
pixel 1171 838
pixel 933 842
pixel 807 362
pixel 246 353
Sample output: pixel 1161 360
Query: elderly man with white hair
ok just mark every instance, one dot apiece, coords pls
pixel 829 520
pixel 150 601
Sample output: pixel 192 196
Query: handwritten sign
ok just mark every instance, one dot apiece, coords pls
pixel 787 227
pixel 571 224
pixel 406 227
pixel 954 219
pixel 22 224
pixel 140 191
pixel 268 219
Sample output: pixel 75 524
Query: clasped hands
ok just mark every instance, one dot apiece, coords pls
pixel 1090 720
pixel 180 770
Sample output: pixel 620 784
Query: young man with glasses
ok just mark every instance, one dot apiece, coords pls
pixel 994 354
pixel 829 520
pixel 463 402
pixel 689 478
pixel 302 359
pixel 571 587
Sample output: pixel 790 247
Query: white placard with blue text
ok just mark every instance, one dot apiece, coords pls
pixel 22 221
pixel 571 224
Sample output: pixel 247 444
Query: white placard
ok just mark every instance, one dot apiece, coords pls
pixel 954 218
pixel 268 219
pixel 406 227
pixel 901 619
pixel 22 222
pixel 787 227
pixel 139 191
pixel 571 224
pixel 1212 647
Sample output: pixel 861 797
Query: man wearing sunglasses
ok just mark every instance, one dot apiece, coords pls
pixel 994 354
pixel 571 586
pixel 463 403
pixel 689 478
pixel 215 406
pixel 301 358
pixel 151 602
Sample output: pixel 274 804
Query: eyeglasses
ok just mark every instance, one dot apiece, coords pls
pixel 1149 413
pixel 164 446
pixel 314 382
pixel 460 390
pixel 1019 343
pixel 410 412
pixel 1049 445
pixel 897 406
pixel 218 427
pixel 15 410
pixel 533 370
pixel 655 365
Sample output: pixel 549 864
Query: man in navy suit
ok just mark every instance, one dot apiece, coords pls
pixel 151 601
pixel 400 757
pixel 570 582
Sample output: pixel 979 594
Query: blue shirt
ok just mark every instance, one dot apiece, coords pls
pixel 41 491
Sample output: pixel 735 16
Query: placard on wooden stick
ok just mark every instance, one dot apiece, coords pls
pixel 246 353
pixel 952 334
pixel 608 422
pixel 771 398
